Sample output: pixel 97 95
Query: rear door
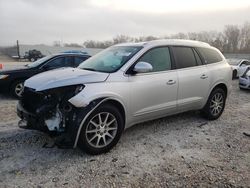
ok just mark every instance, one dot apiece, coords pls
pixel 193 78
pixel 79 60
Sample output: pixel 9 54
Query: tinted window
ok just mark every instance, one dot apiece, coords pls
pixel 210 55
pixel 159 58
pixel 197 57
pixel 245 63
pixel 69 62
pixel 184 57
pixel 55 63
pixel 80 59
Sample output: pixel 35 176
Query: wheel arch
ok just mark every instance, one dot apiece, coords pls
pixel 222 86
pixel 12 82
pixel 101 101
pixel 118 105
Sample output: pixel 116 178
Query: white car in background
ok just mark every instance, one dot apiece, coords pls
pixel 244 80
pixel 239 67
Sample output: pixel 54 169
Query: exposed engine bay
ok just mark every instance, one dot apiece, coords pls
pixel 50 111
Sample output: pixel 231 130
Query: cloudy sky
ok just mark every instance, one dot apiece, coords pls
pixel 45 21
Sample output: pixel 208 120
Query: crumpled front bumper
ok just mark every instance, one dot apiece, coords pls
pixel 29 120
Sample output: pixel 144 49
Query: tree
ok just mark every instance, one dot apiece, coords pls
pixel 231 33
pixel 57 43
pixel 245 38
pixel 72 45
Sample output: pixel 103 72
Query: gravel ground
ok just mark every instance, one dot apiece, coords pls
pixel 177 151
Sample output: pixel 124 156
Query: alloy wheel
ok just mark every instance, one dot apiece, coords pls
pixel 216 104
pixel 101 130
pixel 19 89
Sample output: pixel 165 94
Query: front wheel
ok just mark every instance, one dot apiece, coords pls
pixel 102 130
pixel 17 88
pixel 215 104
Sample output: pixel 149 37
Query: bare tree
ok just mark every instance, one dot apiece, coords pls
pixel 121 39
pixel 245 38
pixel 232 39
pixel 72 45
pixel 231 33
pixel 57 43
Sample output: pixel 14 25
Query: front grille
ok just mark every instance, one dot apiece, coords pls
pixel 31 99
pixel 242 84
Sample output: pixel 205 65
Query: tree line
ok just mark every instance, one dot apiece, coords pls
pixel 233 39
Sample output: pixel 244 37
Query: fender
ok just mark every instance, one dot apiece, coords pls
pixel 91 107
pixel 228 86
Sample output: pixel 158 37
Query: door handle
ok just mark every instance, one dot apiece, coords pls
pixel 171 82
pixel 204 76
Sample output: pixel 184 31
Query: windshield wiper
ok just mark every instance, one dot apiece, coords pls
pixel 90 69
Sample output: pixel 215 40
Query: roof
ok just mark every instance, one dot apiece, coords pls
pixel 47 50
pixel 176 42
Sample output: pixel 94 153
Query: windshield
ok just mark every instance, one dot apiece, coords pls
pixel 111 59
pixel 247 72
pixel 39 61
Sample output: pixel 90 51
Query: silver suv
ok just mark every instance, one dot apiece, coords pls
pixel 123 85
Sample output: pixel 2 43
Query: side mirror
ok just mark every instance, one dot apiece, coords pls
pixel 142 67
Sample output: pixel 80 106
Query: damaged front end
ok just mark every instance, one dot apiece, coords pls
pixel 49 111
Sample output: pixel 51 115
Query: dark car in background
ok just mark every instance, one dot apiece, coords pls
pixel 12 81
pixel 33 55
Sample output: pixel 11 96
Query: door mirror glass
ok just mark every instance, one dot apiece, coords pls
pixel 142 67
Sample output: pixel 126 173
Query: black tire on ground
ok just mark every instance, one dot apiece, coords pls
pixel 13 87
pixel 234 74
pixel 207 111
pixel 83 139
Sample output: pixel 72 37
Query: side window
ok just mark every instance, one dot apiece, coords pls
pixel 210 55
pixel 80 59
pixel 159 58
pixel 69 62
pixel 197 57
pixel 184 57
pixel 55 63
pixel 245 63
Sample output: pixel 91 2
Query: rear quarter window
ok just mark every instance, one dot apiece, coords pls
pixel 210 55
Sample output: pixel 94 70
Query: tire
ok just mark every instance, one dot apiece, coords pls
pixel 234 74
pixel 215 106
pixel 16 89
pixel 95 134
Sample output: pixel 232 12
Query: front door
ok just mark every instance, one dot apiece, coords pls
pixel 154 94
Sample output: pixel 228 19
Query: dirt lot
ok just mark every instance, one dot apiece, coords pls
pixel 182 150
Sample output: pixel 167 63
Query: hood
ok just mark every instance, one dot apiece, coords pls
pixel 234 66
pixel 64 77
pixel 13 71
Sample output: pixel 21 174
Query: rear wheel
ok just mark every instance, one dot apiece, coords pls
pixel 17 88
pixel 102 130
pixel 215 104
